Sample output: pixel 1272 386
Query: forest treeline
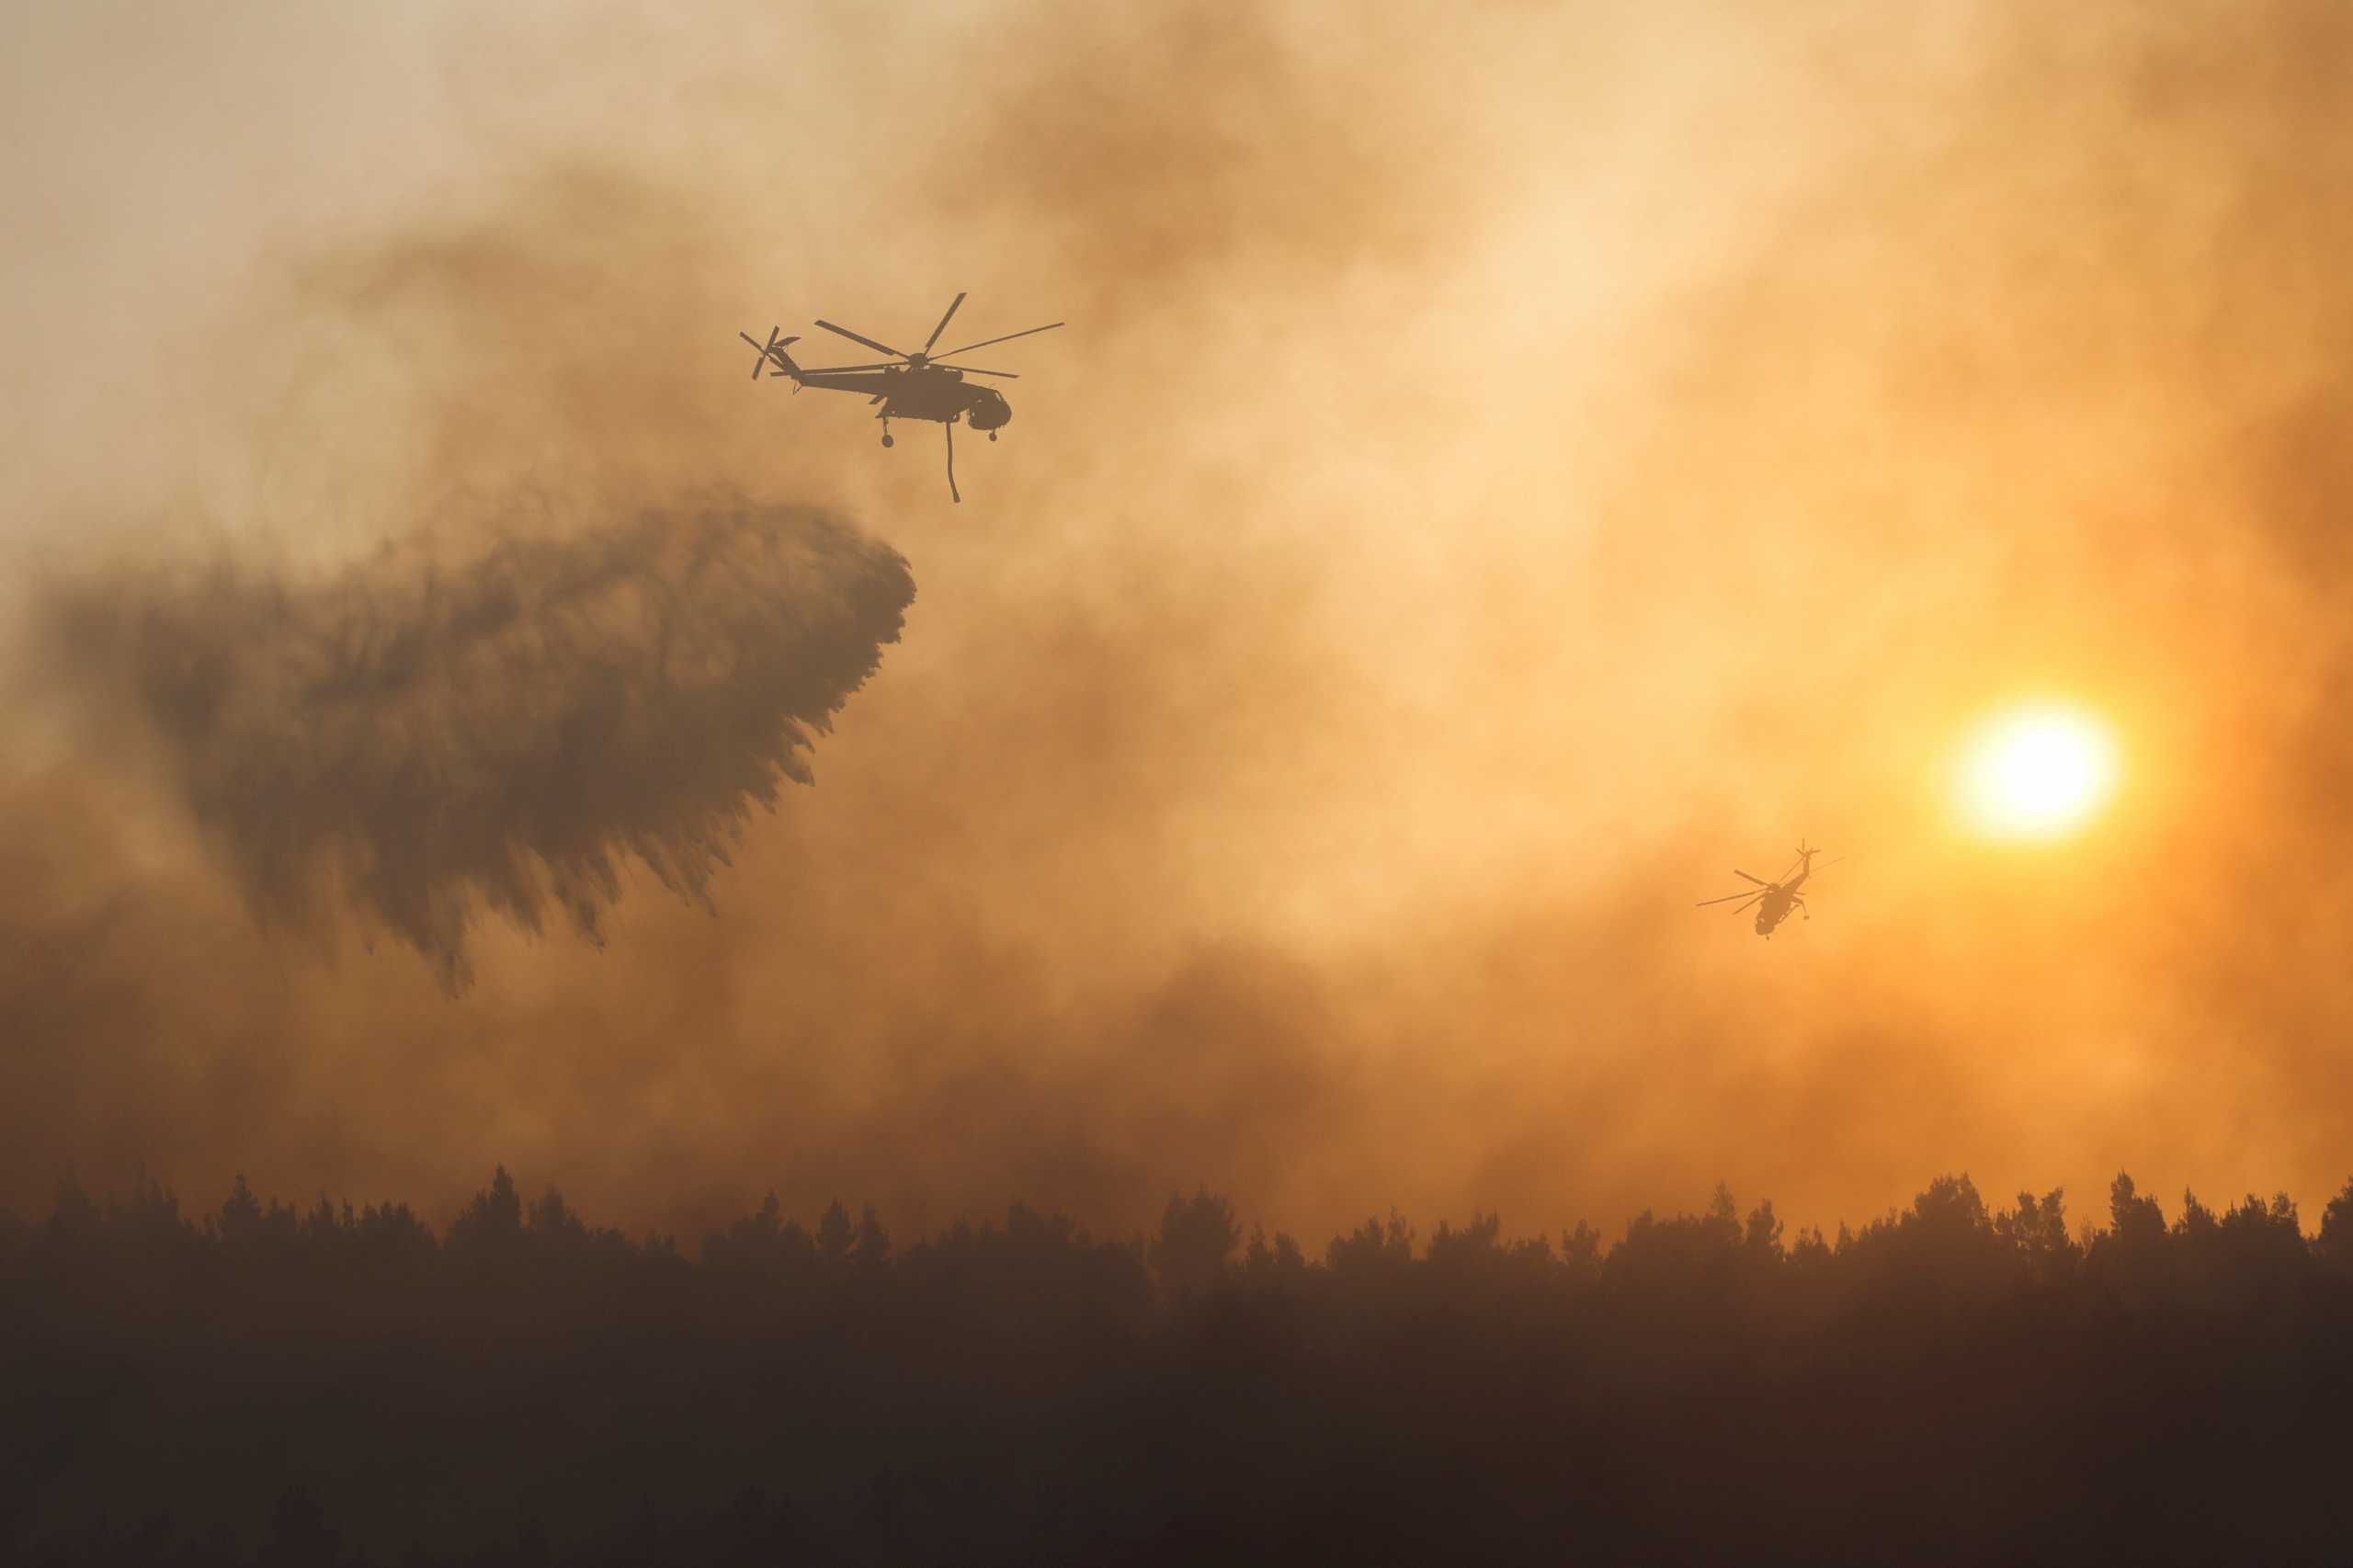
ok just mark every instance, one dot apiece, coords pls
pixel 1957 1383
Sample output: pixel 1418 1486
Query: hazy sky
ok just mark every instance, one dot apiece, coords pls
pixel 1506 466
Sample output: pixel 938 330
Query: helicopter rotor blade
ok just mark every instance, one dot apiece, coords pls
pixel 986 341
pixel 943 323
pixel 1728 898
pixel 975 371
pixel 836 369
pixel 857 337
pixel 1743 875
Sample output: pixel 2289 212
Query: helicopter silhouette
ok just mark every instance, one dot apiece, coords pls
pixel 909 386
pixel 1775 900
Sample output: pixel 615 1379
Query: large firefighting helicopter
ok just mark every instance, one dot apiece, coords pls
pixel 909 386
pixel 1775 900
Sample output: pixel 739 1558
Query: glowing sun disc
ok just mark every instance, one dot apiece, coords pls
pixel 2037 773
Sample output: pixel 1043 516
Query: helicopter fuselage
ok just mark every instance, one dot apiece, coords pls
pixel 1772 901
pixel 1781 897
pixel 926 392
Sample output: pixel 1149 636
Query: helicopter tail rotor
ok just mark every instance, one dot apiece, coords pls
pixel 1803 850
pixel 773 357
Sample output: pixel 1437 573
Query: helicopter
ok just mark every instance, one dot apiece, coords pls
pixel 909 386
pixel 1775 900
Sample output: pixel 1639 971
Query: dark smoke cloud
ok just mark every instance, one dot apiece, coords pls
pixel 505 733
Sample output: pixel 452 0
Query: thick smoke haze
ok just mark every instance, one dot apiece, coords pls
pixel 1507 466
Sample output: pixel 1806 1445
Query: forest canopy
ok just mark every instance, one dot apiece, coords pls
pixel 261 1382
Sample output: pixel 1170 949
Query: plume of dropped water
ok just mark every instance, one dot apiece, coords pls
pixel 432 739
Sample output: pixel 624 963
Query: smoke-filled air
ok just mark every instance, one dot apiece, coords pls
pixel 1613 828
pixel 1505 466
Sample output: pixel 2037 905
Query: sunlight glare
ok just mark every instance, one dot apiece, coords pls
pixel 2037 773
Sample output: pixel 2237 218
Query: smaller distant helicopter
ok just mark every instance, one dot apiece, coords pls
pixel 908 386
pixel 1775 900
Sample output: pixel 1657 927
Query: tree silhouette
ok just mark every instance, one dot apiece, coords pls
pixel 490 1228
pixel 1197 1236
pixel 2335 1243
pixel 258 1384
pixel 835 1236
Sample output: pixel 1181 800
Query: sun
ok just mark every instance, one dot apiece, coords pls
pixel 2036 772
